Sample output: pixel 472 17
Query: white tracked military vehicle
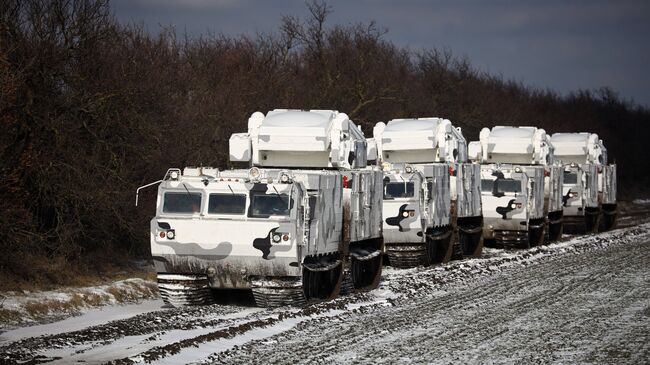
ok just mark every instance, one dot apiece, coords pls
pixel 422 204
pixel 589 182
pixel 304 222
pixel 521 186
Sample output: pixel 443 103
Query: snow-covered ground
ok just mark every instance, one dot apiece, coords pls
pixel 586 299
pixel 33 308
pixel 90 317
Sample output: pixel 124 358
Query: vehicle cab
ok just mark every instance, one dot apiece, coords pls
pixel 199 215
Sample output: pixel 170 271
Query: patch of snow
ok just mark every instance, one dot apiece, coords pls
pixel 90 318
pixel 202 352
pixel 71 301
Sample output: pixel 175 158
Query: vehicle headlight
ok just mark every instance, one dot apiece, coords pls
pixel 254 173
pixel 171 235
pixel 277 237
pixel 405 214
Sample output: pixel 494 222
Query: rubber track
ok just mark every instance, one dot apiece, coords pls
pixel 180 293
pixel 277 297
pixel 406 256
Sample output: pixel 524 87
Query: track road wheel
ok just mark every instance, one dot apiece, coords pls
pixel 439 247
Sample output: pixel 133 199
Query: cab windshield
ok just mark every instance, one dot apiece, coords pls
pixel 182 203
pixel 570 177
pixel 501 185
pixel 264 205
pixel 227 204
pixel 399 190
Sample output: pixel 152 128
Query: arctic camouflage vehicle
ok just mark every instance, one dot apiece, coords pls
pixel 520 186
pixel 589 182
pixel 303 223
pixel 422 202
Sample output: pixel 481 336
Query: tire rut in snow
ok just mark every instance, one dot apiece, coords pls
pixel 148 323
pixel 537 313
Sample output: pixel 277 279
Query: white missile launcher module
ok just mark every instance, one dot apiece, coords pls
pixel 589 182
pixel 304 222
pixel 422 204
pixel 521 186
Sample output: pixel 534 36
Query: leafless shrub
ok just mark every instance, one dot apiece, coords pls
pixel 91 109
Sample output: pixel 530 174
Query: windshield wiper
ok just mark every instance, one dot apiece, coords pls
pixel 188 191
pixel 233 193
pixel 278 195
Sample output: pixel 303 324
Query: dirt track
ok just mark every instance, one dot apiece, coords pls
pixel 592 307
pixel 584 300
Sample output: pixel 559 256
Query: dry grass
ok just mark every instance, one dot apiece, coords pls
pixel 120 292
pixel 96 300
pixel 39 273
pixel 9 315
pixel 38 309
pixel 132 291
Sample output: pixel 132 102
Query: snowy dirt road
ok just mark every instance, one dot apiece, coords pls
pixel 587 308
pixel 584 300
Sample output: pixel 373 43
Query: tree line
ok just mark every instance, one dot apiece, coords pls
pixel 92 108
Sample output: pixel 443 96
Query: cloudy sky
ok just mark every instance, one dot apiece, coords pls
pixel 561 45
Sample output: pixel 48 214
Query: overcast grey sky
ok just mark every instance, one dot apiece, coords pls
pixel 561 45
